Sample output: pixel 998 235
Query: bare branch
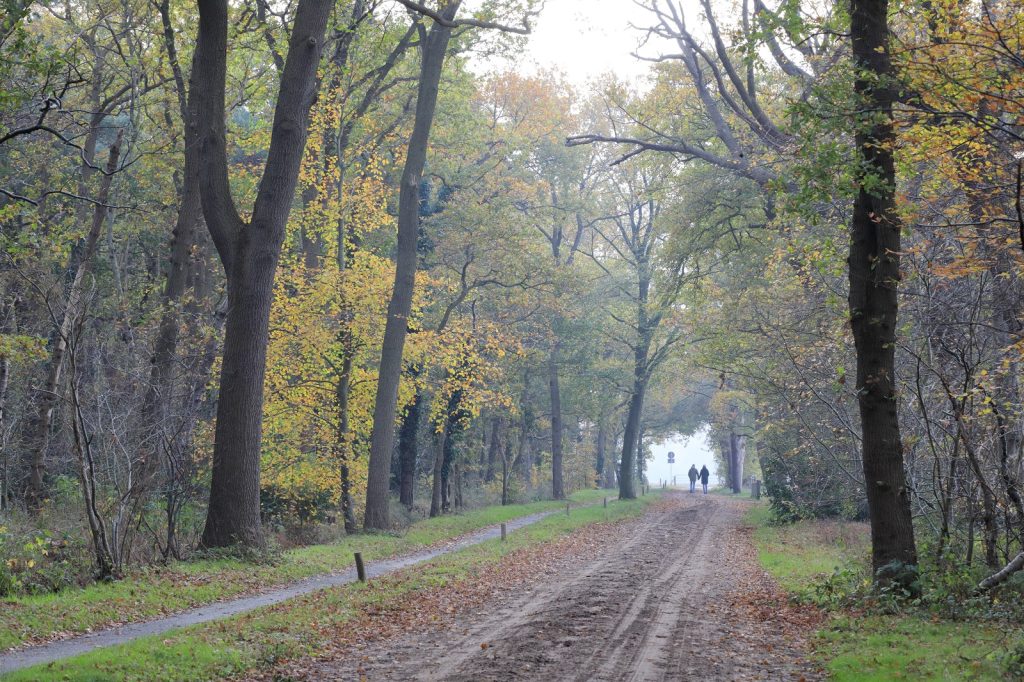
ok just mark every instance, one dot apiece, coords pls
pixel 525 29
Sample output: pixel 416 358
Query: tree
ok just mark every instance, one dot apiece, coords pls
pixel 874 271
pixel 433 49
pixel 249 251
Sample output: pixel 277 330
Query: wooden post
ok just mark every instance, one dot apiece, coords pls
pixel 360 568
pixel 566 508
pixel 755 489
pixel 504 532
pixel 606 503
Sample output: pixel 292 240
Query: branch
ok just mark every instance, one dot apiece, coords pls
pixel 1002 575
pixel 525 29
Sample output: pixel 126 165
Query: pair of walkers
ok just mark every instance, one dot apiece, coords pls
pixel 703 475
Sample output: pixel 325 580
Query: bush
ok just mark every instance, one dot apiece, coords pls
pixel 38 562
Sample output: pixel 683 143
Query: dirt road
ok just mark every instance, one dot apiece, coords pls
pixel 679 596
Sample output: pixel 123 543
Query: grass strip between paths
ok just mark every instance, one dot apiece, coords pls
pixel 857 647
pixel 163 590
pixel 300 626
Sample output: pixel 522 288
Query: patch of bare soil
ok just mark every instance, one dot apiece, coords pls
pixel 676 595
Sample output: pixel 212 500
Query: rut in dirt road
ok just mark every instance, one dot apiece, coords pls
pixel 657 606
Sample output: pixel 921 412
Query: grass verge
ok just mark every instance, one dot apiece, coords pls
pixel 302 626
pixel 162 590
pixel 862 647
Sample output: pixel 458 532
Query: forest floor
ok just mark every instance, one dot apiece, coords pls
pixel 675 594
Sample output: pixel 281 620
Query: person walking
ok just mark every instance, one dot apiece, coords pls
pixel 692 473
pixel 704 475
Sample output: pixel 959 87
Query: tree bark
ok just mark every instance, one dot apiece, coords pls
pixel 7 325
pixel 437 479
pixel 736 456
pixel 408 444
pixel 434 48
pixel 557 484
pixel 627 475
pixel 156 401
pixel 602 448
pixel 493 448
pixel 248 251
pixel 874 278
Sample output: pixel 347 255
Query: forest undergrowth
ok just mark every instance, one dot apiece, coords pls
pixel 948 632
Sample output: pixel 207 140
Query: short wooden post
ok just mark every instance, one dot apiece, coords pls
pixel 504 532
pixel 360 568
pixel 755 489
pixel 606 503
pixel 566 508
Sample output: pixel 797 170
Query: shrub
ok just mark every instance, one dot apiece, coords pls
pixel 37 562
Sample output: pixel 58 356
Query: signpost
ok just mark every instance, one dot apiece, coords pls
pixel 671 461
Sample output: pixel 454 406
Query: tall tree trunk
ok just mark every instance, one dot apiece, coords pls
pixel 7 325
pixel 156 401
pixel 408 437
pixel 601 447
pixel 736 455
pixel 874 279
pixel 437 479
pixel 641 462
pixel 630 438
pixel 248 251
pixel 343 440
pixel 506 471
pixel 557 484
pixel 493 448
pixel 434 47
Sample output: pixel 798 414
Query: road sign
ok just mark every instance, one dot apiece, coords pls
pixel 671 458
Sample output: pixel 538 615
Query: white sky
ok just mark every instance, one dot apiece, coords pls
pixel 586 39
pixel 693 450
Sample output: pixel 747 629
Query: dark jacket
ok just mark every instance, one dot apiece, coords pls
pixel 704 474
pixel 692 473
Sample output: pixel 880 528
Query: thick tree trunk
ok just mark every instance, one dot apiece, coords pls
pixel 557 484
pixel 874 279
pixel 433 50
pixel 630 438
pixel 249 252
pixel 736 456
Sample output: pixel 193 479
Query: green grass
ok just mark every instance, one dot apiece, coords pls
pixel 798 554
pixel 906 647
pixel 303 625
pixel 158 591
pixel 862 648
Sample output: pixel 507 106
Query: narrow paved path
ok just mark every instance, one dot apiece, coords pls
pixel 679 596
pixel 55 651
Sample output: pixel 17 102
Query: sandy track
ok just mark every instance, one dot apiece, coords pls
pixel 665 603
